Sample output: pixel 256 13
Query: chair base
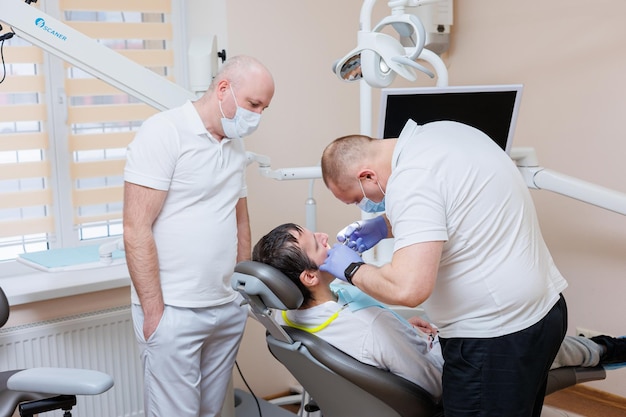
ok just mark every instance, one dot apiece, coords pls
pixel 246 406
pixel 60 402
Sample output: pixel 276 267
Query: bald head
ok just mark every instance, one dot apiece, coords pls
pixel 341 160
pixel 355 166
pixel 240 68
pixel 241 82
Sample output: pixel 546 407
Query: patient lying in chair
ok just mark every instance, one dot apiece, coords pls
pixel 363 328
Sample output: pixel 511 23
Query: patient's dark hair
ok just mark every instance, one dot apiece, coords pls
pixel 279 248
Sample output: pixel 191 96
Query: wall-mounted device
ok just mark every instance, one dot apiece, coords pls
pixel 437 18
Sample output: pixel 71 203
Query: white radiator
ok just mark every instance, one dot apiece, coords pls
pixel 103 341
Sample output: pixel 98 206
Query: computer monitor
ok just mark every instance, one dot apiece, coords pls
pixel 492 109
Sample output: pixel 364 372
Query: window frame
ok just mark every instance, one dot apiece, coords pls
pixel 60 184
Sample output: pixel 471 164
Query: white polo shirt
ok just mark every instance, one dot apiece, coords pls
pixel 452 183
pixel 196 231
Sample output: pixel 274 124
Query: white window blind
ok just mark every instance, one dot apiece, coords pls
pixel 26 220
pixel 63 133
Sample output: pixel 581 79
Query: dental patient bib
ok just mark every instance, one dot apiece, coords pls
pixel 356 300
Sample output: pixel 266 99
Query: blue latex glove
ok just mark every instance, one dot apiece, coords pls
pixel 339 258
pixel 363 234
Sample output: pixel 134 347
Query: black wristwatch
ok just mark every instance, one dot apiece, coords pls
pixel 351 270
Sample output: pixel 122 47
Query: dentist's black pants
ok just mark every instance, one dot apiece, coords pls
pixel 504 376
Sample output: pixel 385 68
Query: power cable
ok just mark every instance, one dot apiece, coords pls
pixel 3 38
pixel 258 406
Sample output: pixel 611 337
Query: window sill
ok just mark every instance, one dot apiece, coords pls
pixel 29 285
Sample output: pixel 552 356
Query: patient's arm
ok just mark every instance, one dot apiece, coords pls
pixel 423 325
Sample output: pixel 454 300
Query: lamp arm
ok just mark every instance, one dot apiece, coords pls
pixel 409 3
pixel 406 61
pixel 545 179
pixel 365 19
pixel 61 40
pixel 438 65
pixel 298 173
pixel 540 178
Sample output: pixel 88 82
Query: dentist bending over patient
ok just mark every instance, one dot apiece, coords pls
pixel 467 248
pixel 364 329
pixel 185 227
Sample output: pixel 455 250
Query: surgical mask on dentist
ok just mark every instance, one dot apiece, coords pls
pixel 242 124
pixel 368 205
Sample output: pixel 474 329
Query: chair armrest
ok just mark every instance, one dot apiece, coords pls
pixel 60 381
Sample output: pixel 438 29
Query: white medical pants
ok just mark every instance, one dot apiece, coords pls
pixel 188 360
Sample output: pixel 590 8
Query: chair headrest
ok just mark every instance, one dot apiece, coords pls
pixel 269 284
pixel 4 308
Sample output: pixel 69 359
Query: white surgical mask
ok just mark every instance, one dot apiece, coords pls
pixel 368 205
pixel 242 124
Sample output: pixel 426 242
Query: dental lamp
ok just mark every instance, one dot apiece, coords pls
pixel 379 57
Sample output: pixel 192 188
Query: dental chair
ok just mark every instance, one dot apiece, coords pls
pixel 338 384
pixel 38 390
